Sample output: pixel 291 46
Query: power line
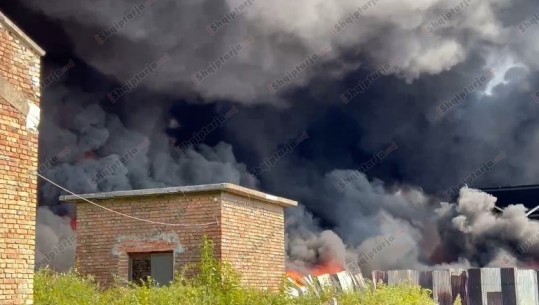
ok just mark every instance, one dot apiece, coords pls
pixel 122 214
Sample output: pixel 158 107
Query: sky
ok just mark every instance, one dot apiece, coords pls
pixel 323 102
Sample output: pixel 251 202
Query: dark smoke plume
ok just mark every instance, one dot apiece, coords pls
pixel 309 53
pixel 428 37
pixel 463 234
pixel 96 151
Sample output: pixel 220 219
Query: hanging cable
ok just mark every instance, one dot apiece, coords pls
pixel 125 215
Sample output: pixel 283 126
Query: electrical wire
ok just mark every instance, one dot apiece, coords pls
pixel 125 215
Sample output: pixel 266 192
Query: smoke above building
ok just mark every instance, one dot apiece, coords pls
pixel 427 96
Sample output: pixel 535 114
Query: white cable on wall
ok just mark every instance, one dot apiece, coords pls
pixel 125 215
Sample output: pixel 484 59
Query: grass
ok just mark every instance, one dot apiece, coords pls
pixel 216 284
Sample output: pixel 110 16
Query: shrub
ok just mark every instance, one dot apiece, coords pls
pixel 64 289
pixel 216 284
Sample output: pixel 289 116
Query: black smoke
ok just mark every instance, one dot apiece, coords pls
pixel 445 128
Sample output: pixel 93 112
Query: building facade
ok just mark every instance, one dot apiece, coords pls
pixel 20 68
pixel 130 241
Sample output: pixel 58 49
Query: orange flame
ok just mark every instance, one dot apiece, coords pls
pixel 328 268
pixel 296 277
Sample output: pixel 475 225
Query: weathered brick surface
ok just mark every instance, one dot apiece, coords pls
pixel 248 233
pixel 20 66
pixel 104 239
pixel 253 240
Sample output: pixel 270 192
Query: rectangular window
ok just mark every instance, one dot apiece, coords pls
pixel 158 265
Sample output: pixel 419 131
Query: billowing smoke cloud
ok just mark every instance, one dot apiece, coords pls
pixel 470 231
pixel 373 222
pixel 95 151
pixel 436 48
pixel 55 241
pixel 308 246
pixel 402 229
pixel 204 41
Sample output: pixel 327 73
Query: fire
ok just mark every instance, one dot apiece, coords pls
pixel 296 277
pixel 318 270
pixel 328 268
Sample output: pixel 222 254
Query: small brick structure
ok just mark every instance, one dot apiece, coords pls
pixel 247 227
pixel 20 68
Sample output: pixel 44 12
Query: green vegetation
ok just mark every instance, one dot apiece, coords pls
pixel 216 284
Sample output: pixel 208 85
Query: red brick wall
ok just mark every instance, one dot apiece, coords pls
pixel 104 239
pixel 253 240
pixel 20 66
pixel 249 234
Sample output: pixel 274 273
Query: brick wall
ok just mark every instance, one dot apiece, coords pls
pixel 104 239
pixel 20 72
pixel 247 232
pixel 253 240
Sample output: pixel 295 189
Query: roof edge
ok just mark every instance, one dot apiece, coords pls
pixel 510 188
pixel 221 187
pixel 17 31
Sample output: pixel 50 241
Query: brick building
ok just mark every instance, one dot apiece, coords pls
pixel 20 68
pixel 246 226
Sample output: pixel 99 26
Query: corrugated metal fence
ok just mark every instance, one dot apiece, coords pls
pixel 485 286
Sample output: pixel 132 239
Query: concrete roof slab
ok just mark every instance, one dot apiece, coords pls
pixel 5 21
pixel 221 187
